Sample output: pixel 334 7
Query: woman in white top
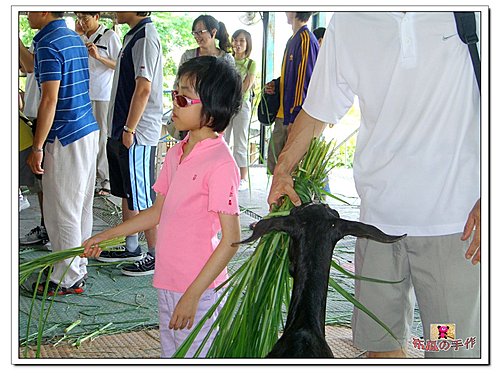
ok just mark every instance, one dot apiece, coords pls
pixel 239 125
pixel 206 29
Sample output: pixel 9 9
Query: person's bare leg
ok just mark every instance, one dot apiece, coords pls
pixel 151 237
pixel 400 353
pixel 244 172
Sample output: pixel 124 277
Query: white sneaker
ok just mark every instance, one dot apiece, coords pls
pixel 23 203
pixel 243 185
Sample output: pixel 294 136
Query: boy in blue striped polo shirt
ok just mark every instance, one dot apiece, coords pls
pixel 68 129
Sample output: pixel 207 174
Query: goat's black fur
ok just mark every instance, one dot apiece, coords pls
pixel 314 229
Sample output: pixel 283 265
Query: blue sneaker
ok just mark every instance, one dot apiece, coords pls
pixel 145 266
pixel 121 254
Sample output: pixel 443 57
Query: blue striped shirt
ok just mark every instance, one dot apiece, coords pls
pixel 60 55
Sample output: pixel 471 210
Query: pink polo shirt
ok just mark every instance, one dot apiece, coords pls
pixel 196 190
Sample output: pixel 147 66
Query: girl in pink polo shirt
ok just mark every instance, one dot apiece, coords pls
pixel 196 199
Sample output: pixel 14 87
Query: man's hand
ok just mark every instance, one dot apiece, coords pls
pixel 92 49
pixel 473 224
pixel 34 161
pixel 300 135
pixel 269 88
pixel 282 185
pixel 127 139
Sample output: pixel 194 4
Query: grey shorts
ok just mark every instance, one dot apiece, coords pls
pixel 445 284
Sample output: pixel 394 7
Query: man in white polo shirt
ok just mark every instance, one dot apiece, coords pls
pixel 416 170
pixel 104 47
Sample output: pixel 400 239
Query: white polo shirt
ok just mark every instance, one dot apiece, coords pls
pixel 416 165
pixel 31 94
pixel 101 76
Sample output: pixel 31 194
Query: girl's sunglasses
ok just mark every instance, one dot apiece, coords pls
pixel 183 101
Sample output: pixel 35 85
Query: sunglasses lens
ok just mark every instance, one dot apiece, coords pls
pixel 181 101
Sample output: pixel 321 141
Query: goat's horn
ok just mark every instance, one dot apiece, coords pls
pixel 283 223
pixel 363 230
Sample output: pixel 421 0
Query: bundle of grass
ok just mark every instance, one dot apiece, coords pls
pixel 44 266
pixel 257 295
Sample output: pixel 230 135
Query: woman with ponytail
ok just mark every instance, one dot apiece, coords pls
pixel 206 29
pixel 240 123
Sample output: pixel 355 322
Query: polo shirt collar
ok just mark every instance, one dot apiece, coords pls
pixel 139 25
pixel 200 146
pixel 100 30
pixel 52 25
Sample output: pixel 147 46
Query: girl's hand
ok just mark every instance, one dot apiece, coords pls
pixel 92 248
pixel 184 312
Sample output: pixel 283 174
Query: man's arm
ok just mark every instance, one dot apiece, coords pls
pixel 45 118
pixel 304 129
pixel 137 107
pixel 26 58
pixel 94 53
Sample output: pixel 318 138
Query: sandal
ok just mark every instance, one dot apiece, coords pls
pixel 77 288
pixel 102 192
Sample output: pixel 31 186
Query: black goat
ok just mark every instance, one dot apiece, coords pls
pixel 314 229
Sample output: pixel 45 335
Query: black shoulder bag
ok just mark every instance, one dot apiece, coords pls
pixel 466 28
pixel 269 105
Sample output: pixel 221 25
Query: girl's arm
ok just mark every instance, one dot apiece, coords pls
pixel 185 309
pixel 250 77
pixel 143 221
pixel 248 82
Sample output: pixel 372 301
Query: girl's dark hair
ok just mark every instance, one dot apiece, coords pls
pixel 221 34
pixel 248 38
pixel 219 86
pixel 319 32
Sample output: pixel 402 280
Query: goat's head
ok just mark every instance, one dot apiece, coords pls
pixel 325 225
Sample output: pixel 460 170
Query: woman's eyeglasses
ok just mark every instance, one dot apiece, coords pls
pixel 183 101
pixel 198 33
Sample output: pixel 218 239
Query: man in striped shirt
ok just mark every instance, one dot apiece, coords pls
pixel 296 69
pixel 66 124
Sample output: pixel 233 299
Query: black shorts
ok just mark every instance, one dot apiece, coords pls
pixel 132 173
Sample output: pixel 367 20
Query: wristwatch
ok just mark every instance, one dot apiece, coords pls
pixel 128 130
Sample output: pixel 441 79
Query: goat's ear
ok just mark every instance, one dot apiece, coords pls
pixel 363 230
pixel 284 223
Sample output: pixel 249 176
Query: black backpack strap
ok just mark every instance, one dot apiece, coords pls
pixel 466 27
pixel 99 36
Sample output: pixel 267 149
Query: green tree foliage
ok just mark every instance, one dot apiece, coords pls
pixel 26 33
pixel 175 32
pixel 174 29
